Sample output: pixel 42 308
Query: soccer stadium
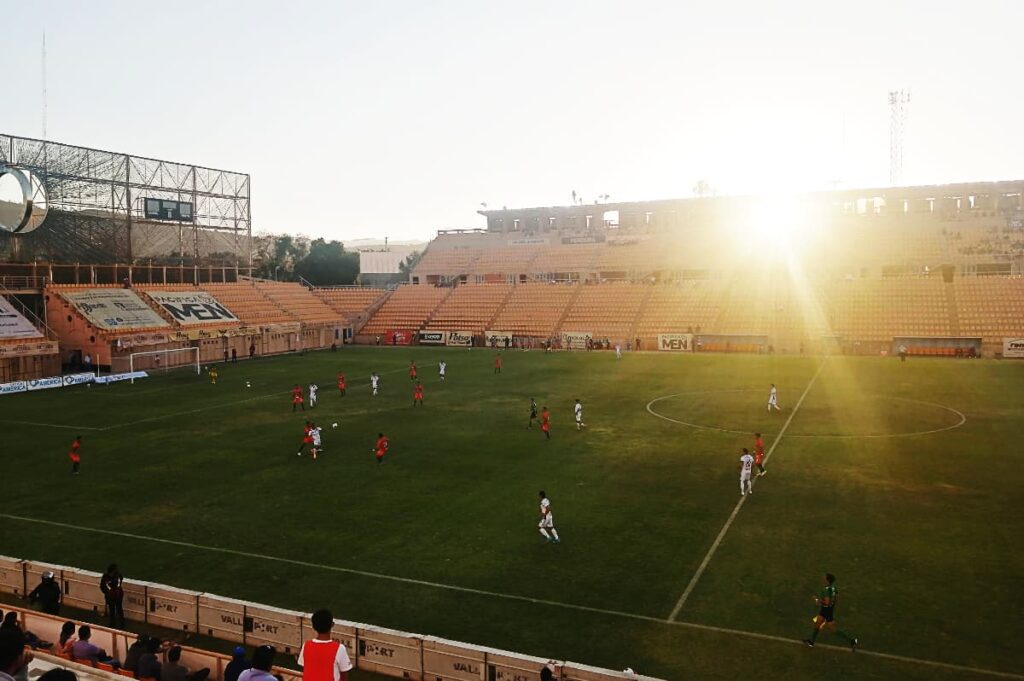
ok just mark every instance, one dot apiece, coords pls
pixel 777 429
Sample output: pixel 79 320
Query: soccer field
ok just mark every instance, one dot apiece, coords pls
pixel 902 479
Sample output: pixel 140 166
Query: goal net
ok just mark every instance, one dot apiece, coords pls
pixel 160 361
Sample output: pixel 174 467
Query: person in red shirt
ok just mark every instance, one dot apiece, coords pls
pixel 307 439
pixel 381 448
pixel 297 399
pixel 322 658
pixel 341 384
pixel 412 371
pixel 497 364
pixel 73 453
pixel 759 454
pixel 545 422
pixel 417 394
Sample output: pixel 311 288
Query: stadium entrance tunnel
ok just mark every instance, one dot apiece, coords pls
pixel 823 414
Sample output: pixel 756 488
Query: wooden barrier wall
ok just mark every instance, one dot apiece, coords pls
pixel 375 649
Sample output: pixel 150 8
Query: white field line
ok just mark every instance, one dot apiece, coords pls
pixel 513 597
pixel 847 436
pixel 739 504
pixel 49 425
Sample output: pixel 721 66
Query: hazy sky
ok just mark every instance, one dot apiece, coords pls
pixel 383 118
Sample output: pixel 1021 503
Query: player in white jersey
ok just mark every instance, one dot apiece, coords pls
pixel 579 415
pixel 773 399
pixel 314 433
pixel 746 466
pixel 442 368
pixel 618 351
pixel 313 387
pixel 547 520
pixel 374 382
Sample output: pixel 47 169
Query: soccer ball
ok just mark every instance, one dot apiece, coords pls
pixel 248 384
pixel 334 425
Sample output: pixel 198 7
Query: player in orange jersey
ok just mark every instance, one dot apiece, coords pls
pixel 307 438
pixel 545 422
pixel 381 448
pixel 341 384
pixel 497 364
pixel 417 394
pixel 412 371
pixel 759 454
pixel 297 398
pixel 76 459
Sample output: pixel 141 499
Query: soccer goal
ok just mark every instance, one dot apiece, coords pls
pixel 156 361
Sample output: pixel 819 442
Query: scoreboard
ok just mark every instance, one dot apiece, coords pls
pixel 163 209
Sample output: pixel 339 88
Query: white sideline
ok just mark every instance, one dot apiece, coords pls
pixel 739 504
pixel 524 599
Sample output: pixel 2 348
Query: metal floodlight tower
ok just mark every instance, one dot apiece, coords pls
pixel 898 100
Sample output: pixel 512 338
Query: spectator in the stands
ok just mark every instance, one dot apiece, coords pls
pixel 174 670
pixel 47 592
pixel 14 658
pixel 67 637
pixel 321 657
pixel 135 651
pixel 262 662
pixel 237 665
pixel 113 594
pixel 148 666
pixel 10 621
pixel 84 649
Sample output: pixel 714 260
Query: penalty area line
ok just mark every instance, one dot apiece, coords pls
pixel 513 597
pixel 739 504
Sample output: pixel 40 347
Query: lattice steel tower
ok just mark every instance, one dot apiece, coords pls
pixel 898 101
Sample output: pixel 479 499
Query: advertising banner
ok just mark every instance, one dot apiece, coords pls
pixel 675 342
pixel 114 378
pixel 460 338
pixel 433 337
pixel 28 349
pixel 498 338
pixel 576 339
pixel 397 337
pixel 45 383
pixel 193 307
pixel 1013 347
pixel 114 308
pixel 140 339
pixel 13 324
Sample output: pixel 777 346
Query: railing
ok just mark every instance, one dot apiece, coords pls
pixel 16 282
pixel 375 649
pixel 10 294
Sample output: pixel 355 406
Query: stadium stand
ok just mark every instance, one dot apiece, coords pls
pixel 880 309
pixel 409 307
pixel 534 309
pixel 297 301
pixel 469 308
pixel 350 301
pixel 250 303
pixel 990 307
pixel 607 310
pixel 680 308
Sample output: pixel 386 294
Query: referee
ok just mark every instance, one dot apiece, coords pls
pixel 826 600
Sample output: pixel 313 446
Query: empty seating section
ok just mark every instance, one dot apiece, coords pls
pixel 534 309
pixel 451 261
pixel 879 309
pixel 349 302
pixel 469 308
pixel 566 258
pixel 991 307
pixel 299 301
pixel 680 308
pixel 606 310
pixel 407 308
pixel 512 260
pixel 111 333
pixel 249 303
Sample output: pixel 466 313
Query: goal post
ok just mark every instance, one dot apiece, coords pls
pixel 163 360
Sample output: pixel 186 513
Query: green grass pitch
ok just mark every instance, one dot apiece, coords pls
pixel 921 528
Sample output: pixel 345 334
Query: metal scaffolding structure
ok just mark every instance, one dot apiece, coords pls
pixel 96 212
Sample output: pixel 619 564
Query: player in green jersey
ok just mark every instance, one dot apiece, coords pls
pixel 826 600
